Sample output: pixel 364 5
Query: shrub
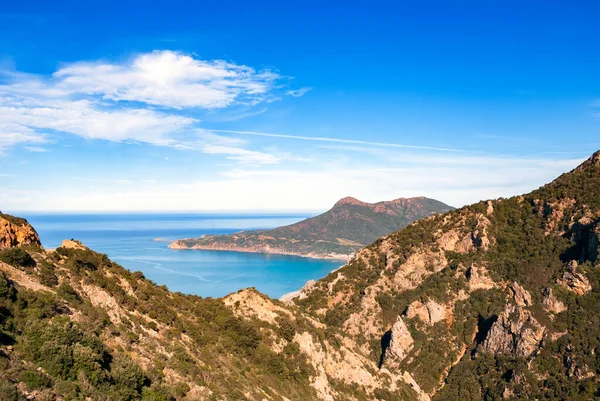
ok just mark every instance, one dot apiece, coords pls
pixel 287 328
pixel 7 290
pixel 17 257
pixel 35 380
pixel 47 276
pixel 8 391
pixel 68 293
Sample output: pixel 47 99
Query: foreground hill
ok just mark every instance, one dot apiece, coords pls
pixel 76 326
pixel 497 300
pixel 338 233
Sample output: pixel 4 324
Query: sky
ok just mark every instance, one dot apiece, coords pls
pixel 290 106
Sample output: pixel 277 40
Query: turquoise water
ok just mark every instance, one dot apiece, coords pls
pixel 129 239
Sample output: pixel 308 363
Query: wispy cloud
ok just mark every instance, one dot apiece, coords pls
pixel 242 155
pixel 338 140
pixel 12 134
pixel 36 149
pixel 210 143
pixel 299 92
pixel 115 181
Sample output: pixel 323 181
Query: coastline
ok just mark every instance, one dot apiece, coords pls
pixel 340 257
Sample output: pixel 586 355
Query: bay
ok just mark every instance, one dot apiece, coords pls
pixel 131 241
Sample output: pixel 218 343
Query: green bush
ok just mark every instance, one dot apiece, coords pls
pixel 287 328
pixel 68 293
pixel 7 290
pixel 17 257
pixel 47 276
pixel 35 380
pixel 8 391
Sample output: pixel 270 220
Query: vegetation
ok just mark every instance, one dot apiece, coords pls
pixel 18 221
pixel 17 257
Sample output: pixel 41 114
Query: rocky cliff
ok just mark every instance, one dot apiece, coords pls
pixel 337 233
pixel 16 231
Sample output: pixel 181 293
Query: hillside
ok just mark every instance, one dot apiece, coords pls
pixel 76 326
pixel 497 300
pixel 348 226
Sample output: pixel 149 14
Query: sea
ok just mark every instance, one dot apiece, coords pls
pixel 139 242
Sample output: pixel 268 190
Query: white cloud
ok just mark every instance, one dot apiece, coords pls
pixel 12 134
pixel 85 119
pixel 147 99
pixel 299 92
pixel 170 79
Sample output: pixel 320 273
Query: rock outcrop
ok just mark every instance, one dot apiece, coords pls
pixel 574 281
pixel 521 296
pixel 73 244
pixel 429 312
pixel 551 303
pixel 515 333
pixel 479 279
pixel 418 309
pixel 16 232
pixel 300 294
pixel 401 341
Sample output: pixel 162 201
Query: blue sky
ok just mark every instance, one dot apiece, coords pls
pixel 288 106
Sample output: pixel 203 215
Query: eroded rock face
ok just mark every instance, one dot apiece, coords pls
pixel 12 234
pixel 574 281
pixel 551 303
pixel 521 296
pixel 418 309
pixel 401 341
pixel 479 279
pixel 437 312
pixel 515 333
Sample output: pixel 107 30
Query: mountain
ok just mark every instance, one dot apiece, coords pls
pixel 337 233
pixel 497 300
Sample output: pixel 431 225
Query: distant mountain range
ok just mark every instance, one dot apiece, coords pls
pixel 348 226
